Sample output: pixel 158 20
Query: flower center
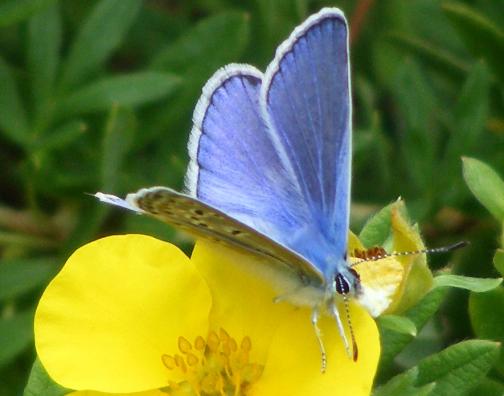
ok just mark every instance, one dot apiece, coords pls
pixel 215 366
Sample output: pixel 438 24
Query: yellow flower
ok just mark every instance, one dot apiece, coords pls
pixel 394 284
pixel 417 279
pixel 380 279
pixel 133 315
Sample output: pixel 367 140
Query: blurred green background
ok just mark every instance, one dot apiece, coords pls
pixel 98 96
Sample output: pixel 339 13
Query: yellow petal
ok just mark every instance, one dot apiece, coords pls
pixel 417 278
pixel 116 307
pixel 380 281
pixel 294 362
pixel 155 392
pixel 354 243
pixel 243 300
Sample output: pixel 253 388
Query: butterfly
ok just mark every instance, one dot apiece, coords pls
pixel 270 164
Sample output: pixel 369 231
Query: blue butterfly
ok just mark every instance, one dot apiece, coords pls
pixel 270 164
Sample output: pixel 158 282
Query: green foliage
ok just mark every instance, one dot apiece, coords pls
pixel 486 310
pixel 486 185
pixel 457 368
pixel 128 90
pixel 398 324
pixel 377 229
pixel 98 96
pixel 20 276
pixel 480 34
pixel 19 324
pixel 404 385
pixel 100 33
pixel 41 384
pixel 477 285
pixel 14 11
pixel 452 371
pixel 394 342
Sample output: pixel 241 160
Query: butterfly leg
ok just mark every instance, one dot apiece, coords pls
pixel 323 356
pixel 333 309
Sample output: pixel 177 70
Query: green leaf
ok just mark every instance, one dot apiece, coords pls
pixel 458 368
pixel 118 136
pixel 437 57
pixel 377 229
pixel 481 36
pixel 471 111
pixel 133 89
pixel 498 261
pixel 469 121
pixel 487 314
pixel 404 385
pixel 417 104
pixel 487 387
pixel 394 342
pixel 117 141
pixel 477 285
pixel 90 220
pixel 399 324
pixel 274 21
pixel 16 10
pixel 20 276
pixel 44 45
pixel 39 383
pixel 486 185
pixel 100 34
pixel 60 137
pixel 13 119
pixel 213 43
pixel 208 43
pixel 16 335
pixel 486 311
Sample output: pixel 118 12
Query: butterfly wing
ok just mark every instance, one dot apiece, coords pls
pixel 273 151
pixel 306 93
pixel 234 165
pixel 203 221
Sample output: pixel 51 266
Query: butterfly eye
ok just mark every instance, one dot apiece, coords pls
pixel 342 286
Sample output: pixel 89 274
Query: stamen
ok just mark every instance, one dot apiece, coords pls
pixel 179 361
pixel 199 343
pixel 223 335
pixel 233 345
pixel 192 360
pixel 169 361
pixel 184 345
pixel 246 344
pixel 217 365
pixel 213 341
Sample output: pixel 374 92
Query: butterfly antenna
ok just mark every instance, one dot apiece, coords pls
pixel 442 249
pixel 355 350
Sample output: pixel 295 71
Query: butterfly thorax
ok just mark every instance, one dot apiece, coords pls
pixel 339 284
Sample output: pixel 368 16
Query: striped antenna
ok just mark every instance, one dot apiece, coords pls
pixel 355 350
pixel 382 254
